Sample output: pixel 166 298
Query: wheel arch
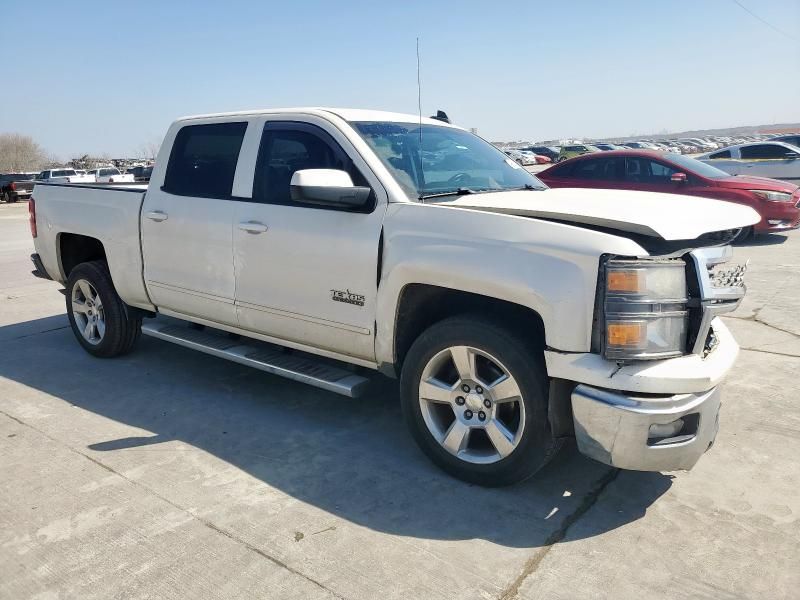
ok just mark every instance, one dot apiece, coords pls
pixel 422 305
pixel 74 249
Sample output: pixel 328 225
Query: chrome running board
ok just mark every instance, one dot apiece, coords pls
pixel 251 353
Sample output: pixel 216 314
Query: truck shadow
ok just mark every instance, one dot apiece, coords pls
pixel 350 458
pixel 764 239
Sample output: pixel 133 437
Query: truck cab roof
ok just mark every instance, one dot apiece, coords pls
pixel 348 114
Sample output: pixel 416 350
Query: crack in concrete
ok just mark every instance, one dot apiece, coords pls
pixel 183 509
pixel 769 352
pixel 589 500
pixel 27 335
pixel 755 319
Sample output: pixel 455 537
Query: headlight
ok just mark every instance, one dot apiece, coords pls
pixel 645 314
pixel 773 196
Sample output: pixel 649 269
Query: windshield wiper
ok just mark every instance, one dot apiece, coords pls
pixel 458 192
pixel 527 186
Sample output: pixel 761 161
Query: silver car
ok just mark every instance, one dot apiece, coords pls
pixel 777 160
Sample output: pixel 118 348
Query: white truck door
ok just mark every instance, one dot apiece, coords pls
pixel 187 223
pixel 304 273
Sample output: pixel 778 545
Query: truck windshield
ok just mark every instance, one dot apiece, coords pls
pixel 448 161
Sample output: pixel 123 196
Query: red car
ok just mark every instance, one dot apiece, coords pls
pixel 646 170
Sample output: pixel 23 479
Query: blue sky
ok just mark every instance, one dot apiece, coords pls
pixel 110 77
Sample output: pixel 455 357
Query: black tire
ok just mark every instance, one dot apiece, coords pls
pixel 5 197
pixel 123 326
pixel 522 359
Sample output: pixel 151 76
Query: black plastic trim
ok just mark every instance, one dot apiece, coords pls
pixel 40 271
pixel 117 187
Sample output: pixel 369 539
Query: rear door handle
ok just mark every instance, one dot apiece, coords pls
pixel 253 227
pixel 157 215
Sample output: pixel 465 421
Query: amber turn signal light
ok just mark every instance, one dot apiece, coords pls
pixel 630 282
pixel 627 334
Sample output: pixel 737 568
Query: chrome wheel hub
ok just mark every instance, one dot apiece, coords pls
pixel 471 404
pixel 87 310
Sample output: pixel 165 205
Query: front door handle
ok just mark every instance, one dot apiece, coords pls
pixel 253 227
pixel 157 215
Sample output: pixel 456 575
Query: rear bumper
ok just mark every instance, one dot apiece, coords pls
pixel 617 429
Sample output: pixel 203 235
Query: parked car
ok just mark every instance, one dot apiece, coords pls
pixel 643 170
pixel 699 145
pixel 575 150
pixel 111 175
pixel 63 176
pixel 606 147
pixel 140 172
pixel 777 160
pixel 522 158
pixel 539 159
pixel 793 139
pixel 550 152
pixel 640 146
pixel 16 186
pixel 514 315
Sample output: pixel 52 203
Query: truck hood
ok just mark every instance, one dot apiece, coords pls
pixel 665 216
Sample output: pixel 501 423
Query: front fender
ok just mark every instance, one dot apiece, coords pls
pixel 548 267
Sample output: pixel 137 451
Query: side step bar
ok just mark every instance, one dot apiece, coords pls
pixel 260 356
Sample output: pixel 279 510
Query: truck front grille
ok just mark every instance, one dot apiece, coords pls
pixel 715 291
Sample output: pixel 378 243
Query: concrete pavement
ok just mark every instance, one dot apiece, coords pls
pixel 171 474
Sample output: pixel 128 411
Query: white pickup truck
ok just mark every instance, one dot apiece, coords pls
pixel 63 176
pixel 327 244
pixel 111 175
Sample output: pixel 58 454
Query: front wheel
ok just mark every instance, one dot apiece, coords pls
pixel 474 396
pixel 102 323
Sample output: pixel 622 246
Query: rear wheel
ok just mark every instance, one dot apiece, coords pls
pixel 102 323
pixel 474 395
pixel 5 197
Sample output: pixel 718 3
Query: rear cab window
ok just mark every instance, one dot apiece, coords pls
pixel 203 160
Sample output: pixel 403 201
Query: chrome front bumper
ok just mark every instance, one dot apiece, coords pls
pixel 616 428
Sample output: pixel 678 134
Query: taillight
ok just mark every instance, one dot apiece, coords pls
pixel 32 215
pixel 13 186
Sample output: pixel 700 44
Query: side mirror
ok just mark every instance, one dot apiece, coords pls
pixel 679 178
pixel 329 187
pixel 791 155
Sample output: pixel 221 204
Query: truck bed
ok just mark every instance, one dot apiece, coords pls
pixel 109 213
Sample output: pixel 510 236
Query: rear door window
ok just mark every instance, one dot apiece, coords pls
pixel 203 160
pixel 723 154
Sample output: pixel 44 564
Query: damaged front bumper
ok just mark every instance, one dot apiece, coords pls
pixel 628 416
pixel 645 433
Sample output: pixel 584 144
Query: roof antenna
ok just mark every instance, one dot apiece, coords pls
pixel 419 108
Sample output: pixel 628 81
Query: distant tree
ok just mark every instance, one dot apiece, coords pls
pixel 149 150
pixel 20 153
